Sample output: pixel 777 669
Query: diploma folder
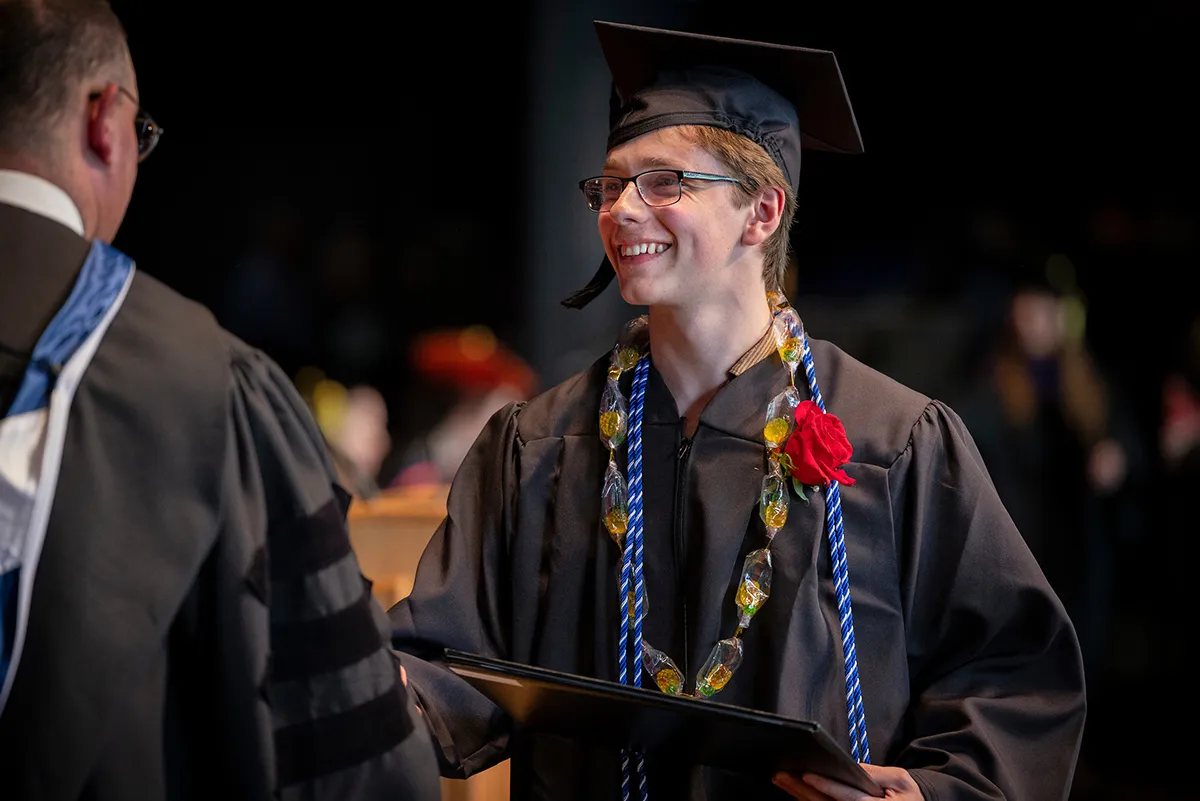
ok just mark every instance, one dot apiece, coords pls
pixel 702 731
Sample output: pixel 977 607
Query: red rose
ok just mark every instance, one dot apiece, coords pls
pixel 818 448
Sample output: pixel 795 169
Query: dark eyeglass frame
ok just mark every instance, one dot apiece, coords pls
pixel 148 131
pixel 681 175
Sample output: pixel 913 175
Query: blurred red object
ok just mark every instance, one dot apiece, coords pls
pixel 471 359
pixel 1180 430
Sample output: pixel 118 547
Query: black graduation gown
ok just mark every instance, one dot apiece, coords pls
pixel 970 668
pixel 199 625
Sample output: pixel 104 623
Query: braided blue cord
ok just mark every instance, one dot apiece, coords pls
pixel 855 715
pixel 631 563
pixel 622 650
pixel 623 647
pixel 623 639
pixel 636 403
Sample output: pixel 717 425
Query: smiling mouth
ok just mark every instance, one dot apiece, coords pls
pixel 641 249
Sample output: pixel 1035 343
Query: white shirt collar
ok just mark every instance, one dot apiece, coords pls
pixel 39 196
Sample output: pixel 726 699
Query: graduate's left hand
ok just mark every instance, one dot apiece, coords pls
pixel 896 782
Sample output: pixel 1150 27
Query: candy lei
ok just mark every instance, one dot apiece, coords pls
pixel 621 512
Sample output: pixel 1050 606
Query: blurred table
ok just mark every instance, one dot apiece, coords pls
pixel 389 533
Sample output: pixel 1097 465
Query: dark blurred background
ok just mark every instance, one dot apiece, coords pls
pixel 337 183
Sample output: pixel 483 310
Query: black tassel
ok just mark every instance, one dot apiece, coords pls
pixel 598 284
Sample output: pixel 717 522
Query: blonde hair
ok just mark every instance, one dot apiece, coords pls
pixel 748 162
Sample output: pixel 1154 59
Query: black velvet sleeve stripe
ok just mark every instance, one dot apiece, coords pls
pixel 343 498
pixel 256 577
pixel 308 544
pixel 326 745
pixel 312 647
pixel 264 683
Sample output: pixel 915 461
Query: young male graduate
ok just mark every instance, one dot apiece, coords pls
pixel 737 507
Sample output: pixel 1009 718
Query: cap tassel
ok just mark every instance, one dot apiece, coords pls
pixel 598 284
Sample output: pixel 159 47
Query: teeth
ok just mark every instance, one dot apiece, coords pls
pixel 644 247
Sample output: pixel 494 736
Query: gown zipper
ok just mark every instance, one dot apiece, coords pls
pixel 681 464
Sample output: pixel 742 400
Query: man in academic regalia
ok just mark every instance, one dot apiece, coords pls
pixel 810 538
pixel 181 615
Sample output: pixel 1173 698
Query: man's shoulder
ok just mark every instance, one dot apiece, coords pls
pixel 877 411
pixel 569 408
pixel 169 325
pixel 178 341
pixel 167 365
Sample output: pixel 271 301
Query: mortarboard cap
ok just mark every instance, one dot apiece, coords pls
pixel 784 98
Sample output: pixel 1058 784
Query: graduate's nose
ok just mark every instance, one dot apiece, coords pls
pixel 629 204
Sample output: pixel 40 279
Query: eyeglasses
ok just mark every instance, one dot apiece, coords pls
pixel 148 131
pixel 657 187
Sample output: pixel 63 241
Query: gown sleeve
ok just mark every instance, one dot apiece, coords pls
pixel 461 599
pixel 343 724
pixel 995 670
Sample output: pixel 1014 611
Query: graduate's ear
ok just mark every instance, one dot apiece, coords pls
pixel 102 121
pixel 766 214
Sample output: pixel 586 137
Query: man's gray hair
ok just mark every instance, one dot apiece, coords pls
pixel 48 48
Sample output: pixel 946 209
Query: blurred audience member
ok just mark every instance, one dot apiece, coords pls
pixel 1179 450
pixel 1179 436
pixel 483 376
pixel 1061 447
pixel 354 422
pixel 363 436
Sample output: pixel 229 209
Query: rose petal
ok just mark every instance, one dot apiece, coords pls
pixel 818 447
pixel 842 478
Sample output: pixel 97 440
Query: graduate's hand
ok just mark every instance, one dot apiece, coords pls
pixel 896 782
pixel 416 703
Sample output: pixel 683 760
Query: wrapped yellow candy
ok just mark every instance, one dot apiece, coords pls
pixel 660 667
pixel 718 669
pixel 614 416
pixel 614 503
